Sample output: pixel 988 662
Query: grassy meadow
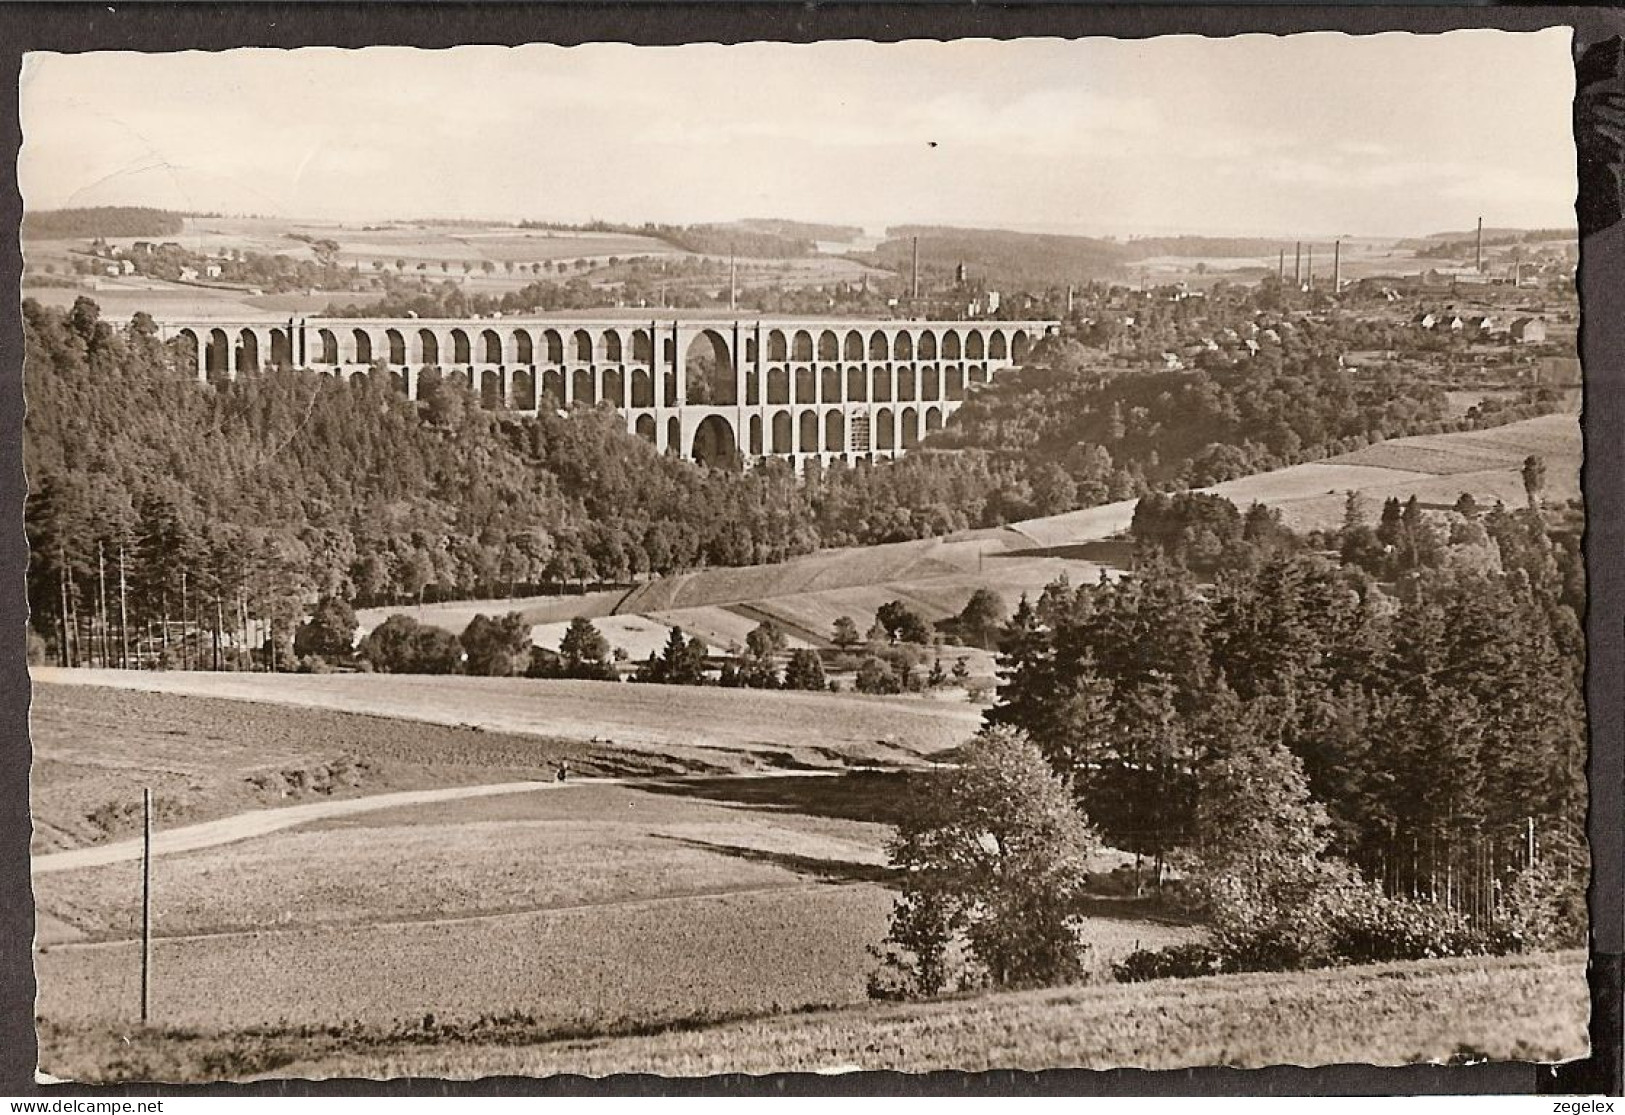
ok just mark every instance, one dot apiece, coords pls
pixel 1529 1008
pixel 681 727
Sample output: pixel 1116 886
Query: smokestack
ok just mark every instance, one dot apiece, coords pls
pixel 733 282
pixel 1310 266
pixel 1337 267
pixel 1297 264
pixel 1280 268
pixel 916 286
pixel 1071 294
pixel 1478 252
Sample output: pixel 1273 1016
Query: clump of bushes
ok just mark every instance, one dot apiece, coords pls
pixel 1173 962
pixel 1351 925
pixel 1541 909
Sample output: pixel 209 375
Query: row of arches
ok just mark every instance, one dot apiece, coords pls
pixel 800 346
pixel 790 433
pixel 885 430
pixel 863 385
pixel 236 350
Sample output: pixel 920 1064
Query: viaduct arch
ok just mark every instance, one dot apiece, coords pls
pixel 713 390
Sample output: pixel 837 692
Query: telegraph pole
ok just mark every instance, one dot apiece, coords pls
pixel 101 581
pixel 123 615
pixel 146 901
pixel 62 579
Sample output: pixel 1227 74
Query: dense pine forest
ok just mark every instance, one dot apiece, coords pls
pixel 1427 728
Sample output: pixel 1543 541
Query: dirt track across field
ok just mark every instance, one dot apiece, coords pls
pixel 261 822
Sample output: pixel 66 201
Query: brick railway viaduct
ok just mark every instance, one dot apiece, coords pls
pixel 800 389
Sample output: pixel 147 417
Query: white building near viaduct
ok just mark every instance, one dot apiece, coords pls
pixel 798 389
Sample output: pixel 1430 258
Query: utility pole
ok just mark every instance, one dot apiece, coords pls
pixel 62 581
pixel 101 580
pixel 123 615
pixel 146 902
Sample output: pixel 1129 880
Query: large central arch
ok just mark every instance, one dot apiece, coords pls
pixel 715 444
pixel 708 371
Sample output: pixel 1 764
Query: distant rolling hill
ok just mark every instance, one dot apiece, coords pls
pixel 1005 258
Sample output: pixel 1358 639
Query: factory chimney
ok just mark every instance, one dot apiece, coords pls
pixel 1297 264
pixel 1280 269
pixel 916 283
pixel 1310 266
pixel 1337 267
pixel 1478 251
pixel 733 282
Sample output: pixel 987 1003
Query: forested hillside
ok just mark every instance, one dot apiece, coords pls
pixel 1022 260
pixel 76 224
pixel 1033 261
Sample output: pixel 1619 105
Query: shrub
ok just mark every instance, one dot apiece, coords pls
pixel 1172 962
pixel 1367 927
pixel 993 856
pixel 1540 909
pixel 875 677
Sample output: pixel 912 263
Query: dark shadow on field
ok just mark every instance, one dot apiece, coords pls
pixel 859 795
pixel 824 870
pixel 1101 551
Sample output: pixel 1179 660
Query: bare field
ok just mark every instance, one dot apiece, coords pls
pixel 1435 468
pixel 559 847
pixel 827 569
pixel 653 960
pixel 681 724
pixel 119 303
pixel 455 615
pixel 638 636
pixel 1555 437
pixel 415 242
pixel 95 747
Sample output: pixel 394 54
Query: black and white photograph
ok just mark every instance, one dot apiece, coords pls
pixel 805 557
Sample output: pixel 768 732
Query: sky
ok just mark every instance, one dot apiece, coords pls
pixel 1321 134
